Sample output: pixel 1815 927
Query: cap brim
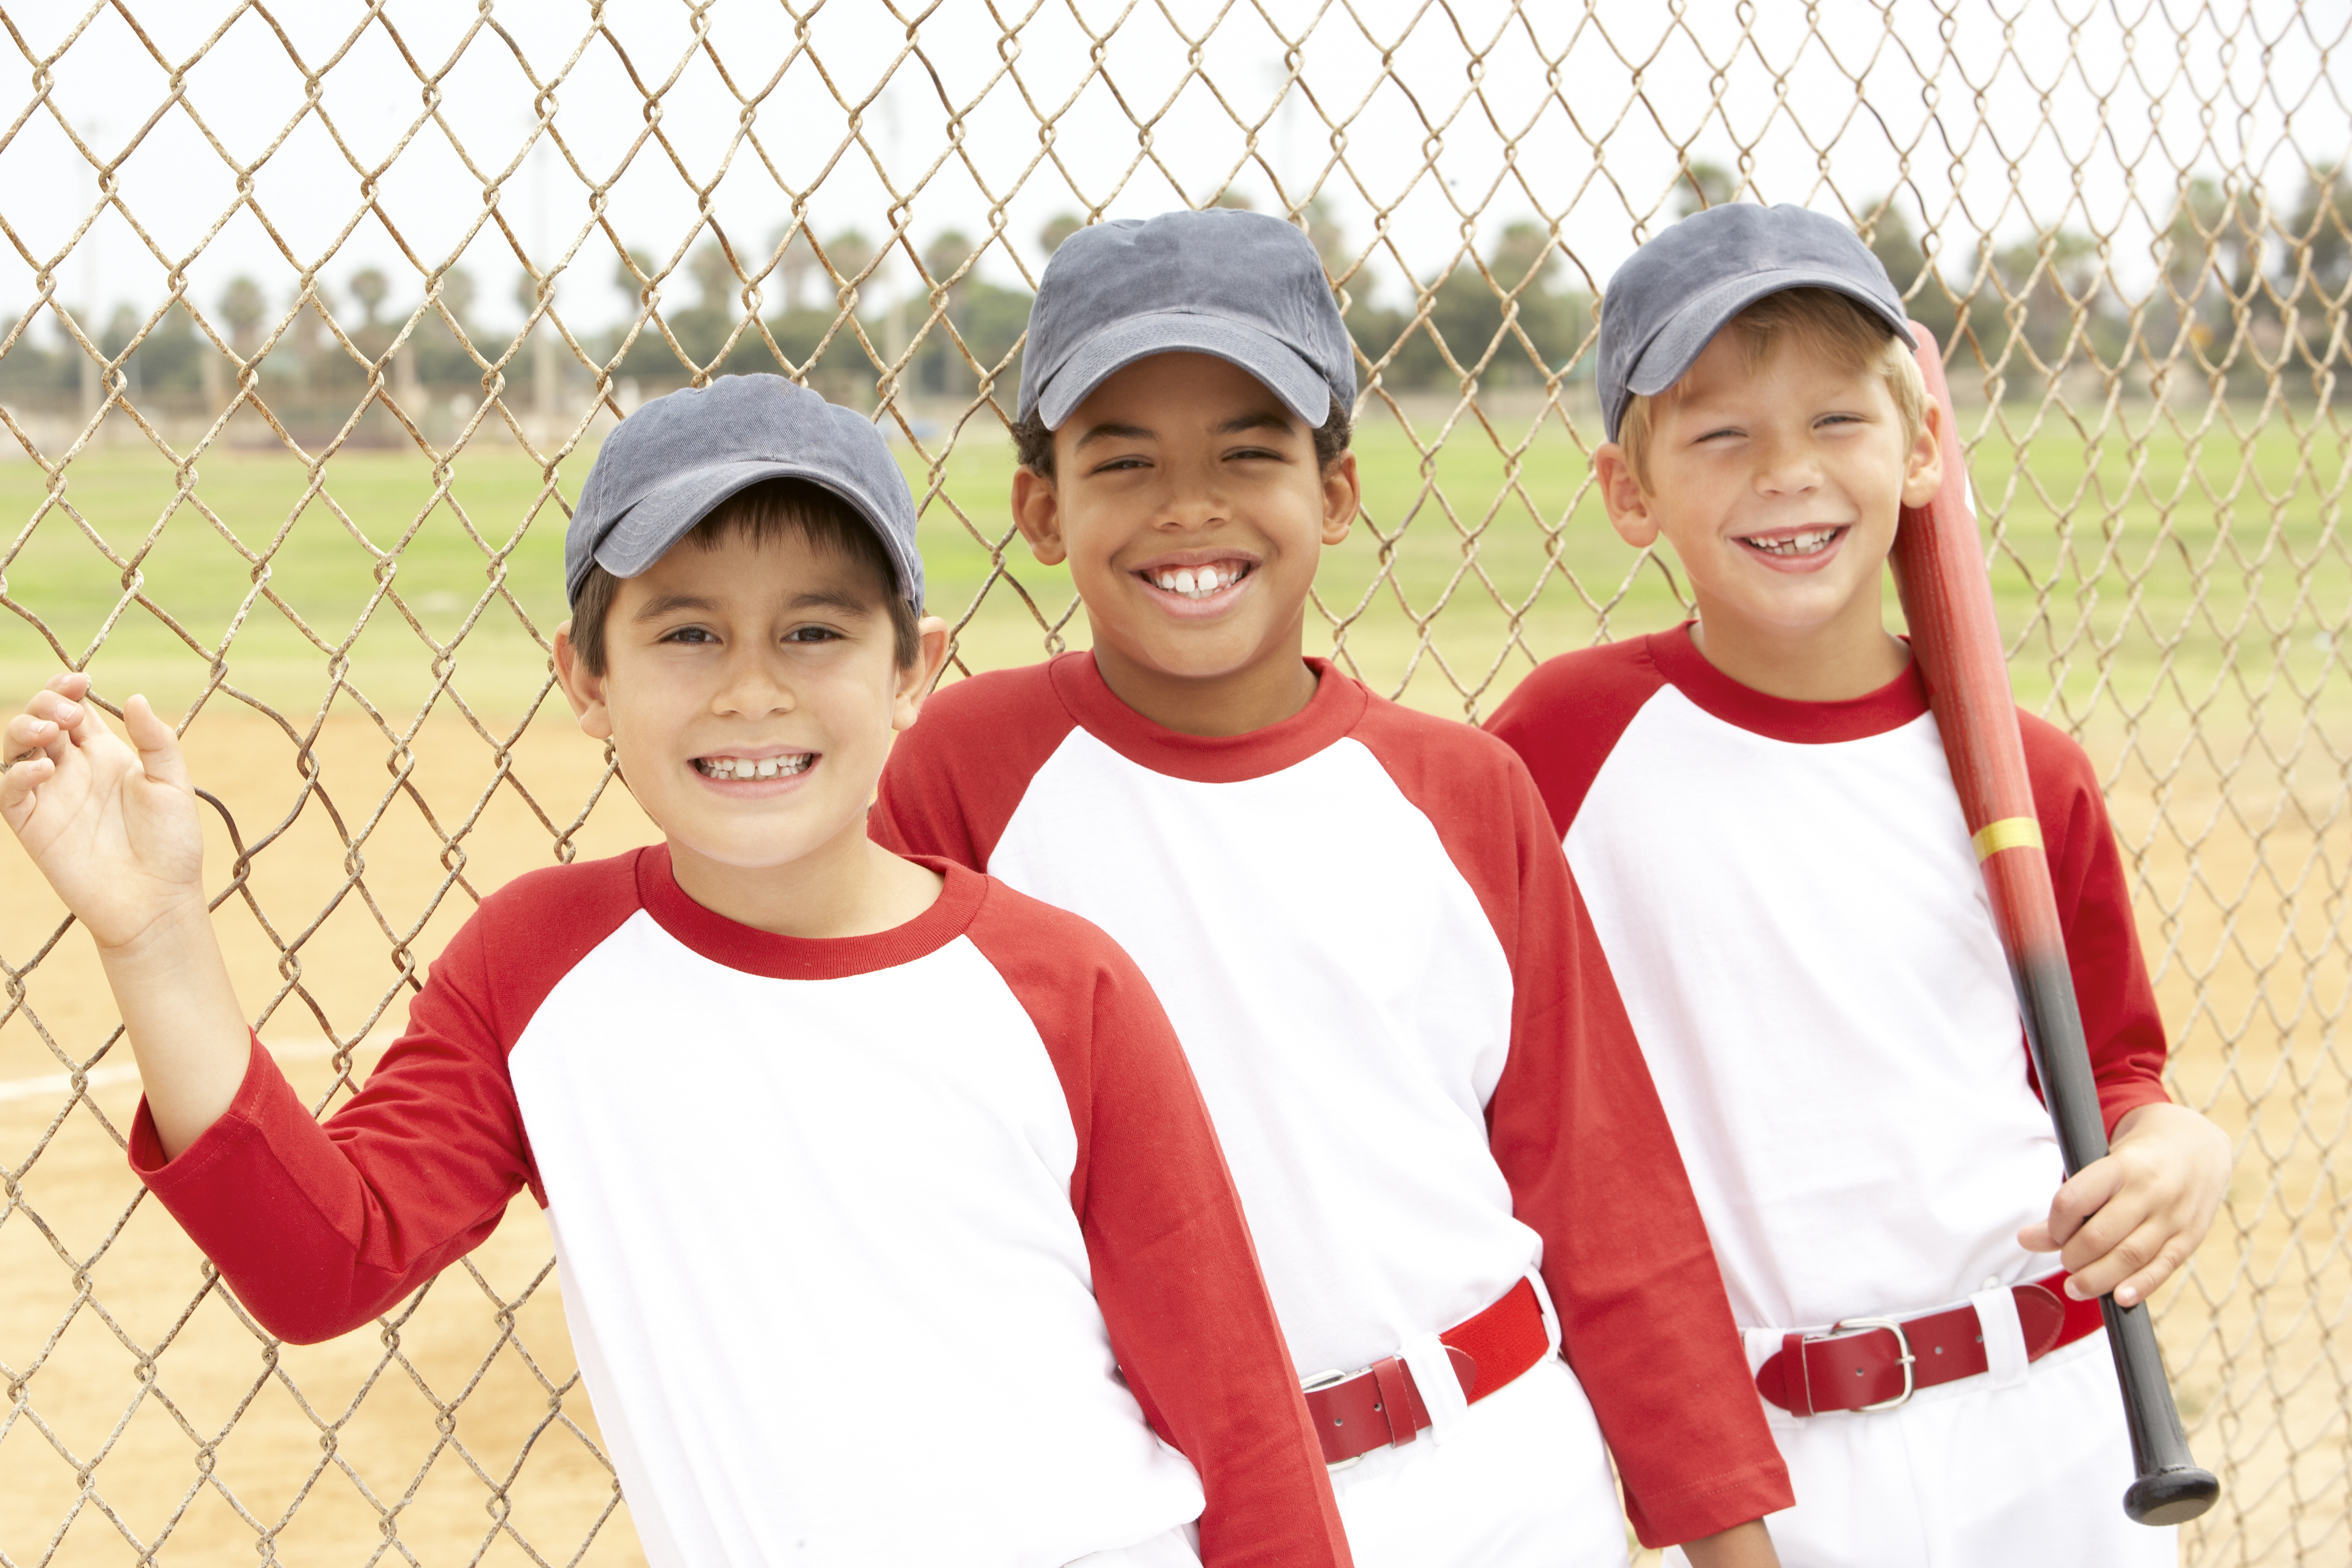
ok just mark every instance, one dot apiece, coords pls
pixel 1115 347
pixel 1669 355
pixel 643 535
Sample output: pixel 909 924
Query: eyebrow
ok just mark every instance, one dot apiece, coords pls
pixel 1257 419
pixel 1111 430
pixel 670 604
pixel 840 599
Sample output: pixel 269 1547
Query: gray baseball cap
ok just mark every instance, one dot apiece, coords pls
pixel 1672 295
pixel 668 465
pixel 1245 287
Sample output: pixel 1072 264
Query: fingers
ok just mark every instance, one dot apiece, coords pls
pixel 2084 1195
pixel 57 708
pixel 2135 1268
pixel 17 785
pixel 159 748
pixel 29 732
pixel 2124 1226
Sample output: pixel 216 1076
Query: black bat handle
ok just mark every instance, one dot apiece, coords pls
pixel 2170 1488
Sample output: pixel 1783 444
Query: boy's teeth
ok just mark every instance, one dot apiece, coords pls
pixel 1804 543
pixel 747 768
pixel 1196 582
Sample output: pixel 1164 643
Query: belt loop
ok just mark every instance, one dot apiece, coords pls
pixel 1395 1384
pixel 1433 1379
pixel 1795 1383
pixel 2002 1334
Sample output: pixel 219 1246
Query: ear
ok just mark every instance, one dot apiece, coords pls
pixel 1037 514
pixel 1622 496
pixel 584 692
pixel 916 680
pixel 1923 475
pixel 1343 496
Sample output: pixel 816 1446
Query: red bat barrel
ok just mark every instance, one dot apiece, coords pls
pixel 1939 571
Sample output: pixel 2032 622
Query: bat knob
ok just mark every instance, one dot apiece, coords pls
pixel 2171 1496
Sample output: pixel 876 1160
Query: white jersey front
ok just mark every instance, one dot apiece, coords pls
pixel 1788 898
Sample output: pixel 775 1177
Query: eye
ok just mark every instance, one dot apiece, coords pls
pixel 812 635
pixel 689 635
pixel 1128 464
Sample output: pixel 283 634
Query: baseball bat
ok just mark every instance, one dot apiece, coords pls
pixel 1939 571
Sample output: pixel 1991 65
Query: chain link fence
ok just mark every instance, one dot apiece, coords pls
pixel 314 317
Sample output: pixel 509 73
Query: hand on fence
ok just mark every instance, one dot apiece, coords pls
pixel 114 829
pixel 2125 1223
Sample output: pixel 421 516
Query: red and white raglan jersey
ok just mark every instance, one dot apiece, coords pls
pixel 1417 1064
pixel 856 1234
pixel 1787 897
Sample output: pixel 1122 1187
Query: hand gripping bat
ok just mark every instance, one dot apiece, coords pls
pixel 1939 571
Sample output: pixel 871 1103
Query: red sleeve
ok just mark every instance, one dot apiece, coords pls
pixel 321 1227
pixel 1578 1130
pixel 1174 1269
pixel 954 780
pixel 2120 1023
pixel 1567 716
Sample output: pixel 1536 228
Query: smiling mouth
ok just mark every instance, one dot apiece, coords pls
pixel 1793 546
pixel 738 768
pixel 1198 582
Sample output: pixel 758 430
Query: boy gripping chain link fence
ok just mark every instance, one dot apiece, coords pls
pixel 1759 809
pixel 1449 1149
pixel 868 1176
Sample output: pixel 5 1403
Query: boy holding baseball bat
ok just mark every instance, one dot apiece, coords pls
pixel 892 1230
pixel 1451 1156
pixel 1759 811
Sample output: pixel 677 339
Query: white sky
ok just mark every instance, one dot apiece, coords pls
pixel 2079 111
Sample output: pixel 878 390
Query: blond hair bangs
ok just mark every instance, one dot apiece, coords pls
pixel 1832 326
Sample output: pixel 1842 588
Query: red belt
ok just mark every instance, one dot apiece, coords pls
pixel 1381 1405
pixel 1876 1364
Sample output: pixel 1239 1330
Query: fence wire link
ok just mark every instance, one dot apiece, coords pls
pixel 2128 223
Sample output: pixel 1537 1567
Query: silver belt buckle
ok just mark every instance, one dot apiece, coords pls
pixel 1327 1380
pixel 1903 1341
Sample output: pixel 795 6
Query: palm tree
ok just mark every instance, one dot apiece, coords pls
pixel 369 286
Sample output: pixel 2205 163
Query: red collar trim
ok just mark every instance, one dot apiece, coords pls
pixel 1337 706
pixel 1892 706
pixel 755 951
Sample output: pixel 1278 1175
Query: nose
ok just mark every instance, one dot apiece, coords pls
pixel 1786 465
pixel 1192 499
pixel 753 684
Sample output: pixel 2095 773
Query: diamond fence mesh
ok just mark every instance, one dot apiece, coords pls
pixel 314 318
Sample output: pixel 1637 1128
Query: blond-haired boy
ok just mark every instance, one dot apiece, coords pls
pixel 1757 808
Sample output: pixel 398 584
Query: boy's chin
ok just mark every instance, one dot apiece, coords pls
pixel 752 852
pixel 1202 658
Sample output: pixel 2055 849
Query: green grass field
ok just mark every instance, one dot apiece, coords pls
pixel 2194 573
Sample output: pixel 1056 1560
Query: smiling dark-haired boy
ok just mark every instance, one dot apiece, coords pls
pixel 869 1178
pixel 1451 1155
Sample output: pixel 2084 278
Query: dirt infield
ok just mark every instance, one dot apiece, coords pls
pixel 457 1435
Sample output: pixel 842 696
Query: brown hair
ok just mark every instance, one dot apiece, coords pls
pixel 768 512
pixel 1848 336
pixel 1035 443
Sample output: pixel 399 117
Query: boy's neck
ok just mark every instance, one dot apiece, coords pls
pixel 850 887
pixel 1214 707
pixel 1822 664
